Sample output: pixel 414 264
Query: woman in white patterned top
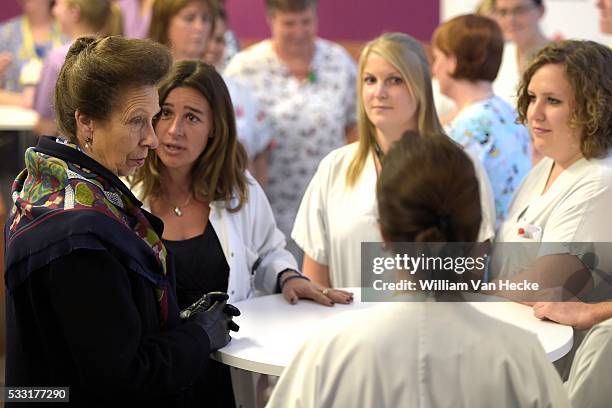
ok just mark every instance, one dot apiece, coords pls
pixel 306 86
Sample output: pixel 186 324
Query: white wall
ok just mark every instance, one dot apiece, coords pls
pixel 570 18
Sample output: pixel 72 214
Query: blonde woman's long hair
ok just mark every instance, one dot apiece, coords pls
pixel 407 55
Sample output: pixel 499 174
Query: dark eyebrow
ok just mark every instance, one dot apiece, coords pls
pixel 544 93
pixel 191 108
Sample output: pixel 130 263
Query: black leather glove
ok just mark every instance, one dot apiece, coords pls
pixel 215 320
pixel 204 303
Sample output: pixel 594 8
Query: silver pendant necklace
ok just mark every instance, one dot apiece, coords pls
pixel 177 209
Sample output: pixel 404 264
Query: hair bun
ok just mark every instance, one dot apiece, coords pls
pixel 79 45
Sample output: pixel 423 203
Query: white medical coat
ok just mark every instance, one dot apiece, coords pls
pixel 574 212
pixel 589 383
pixel 420 355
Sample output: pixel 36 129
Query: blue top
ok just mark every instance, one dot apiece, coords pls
pixel 488 131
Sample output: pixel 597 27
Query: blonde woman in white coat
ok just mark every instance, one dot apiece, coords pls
pixel 338 210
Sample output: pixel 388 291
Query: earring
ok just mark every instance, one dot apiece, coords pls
pixel 88 142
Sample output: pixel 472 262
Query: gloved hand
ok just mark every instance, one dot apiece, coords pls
pixel 215 320
pixel 204 303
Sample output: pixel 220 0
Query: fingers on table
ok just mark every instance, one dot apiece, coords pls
pixel 340 296
pixel 540 310
pixel 321 298
pixel 290 296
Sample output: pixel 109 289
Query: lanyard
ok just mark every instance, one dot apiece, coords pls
pixel 28 48
pixel 378 151
pixel 30 71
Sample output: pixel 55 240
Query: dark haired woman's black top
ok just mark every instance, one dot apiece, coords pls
pixel 201 267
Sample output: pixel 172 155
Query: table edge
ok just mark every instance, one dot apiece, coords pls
pixel 248 365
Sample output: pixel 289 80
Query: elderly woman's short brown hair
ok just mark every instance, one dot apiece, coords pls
pixel 97 70
pixel 587 69
pixel 289 5
pixel 476 42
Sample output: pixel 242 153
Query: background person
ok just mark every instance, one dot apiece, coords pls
pixel 605 16
pixel 467 52
pixel 519 20
pixel 91 301
pixel 223 44
pixel 306 86
pixel 5 62
pixel 184 26
pixel 446 108
pixel 251 121
pixel 339 209
pixel 25 41
pixel 215 49
pixel 77 18
pixel 394 355
pixel 136 17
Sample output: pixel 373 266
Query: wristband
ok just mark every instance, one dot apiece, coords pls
pixel 298 276
pixel 277 288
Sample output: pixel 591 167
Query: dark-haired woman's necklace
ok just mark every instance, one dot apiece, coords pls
pixel 177 209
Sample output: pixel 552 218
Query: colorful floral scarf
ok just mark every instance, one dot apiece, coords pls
pixel 64 201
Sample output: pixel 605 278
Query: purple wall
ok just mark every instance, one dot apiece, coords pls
pixel 346 20
pixel 10 8
pixel 342 20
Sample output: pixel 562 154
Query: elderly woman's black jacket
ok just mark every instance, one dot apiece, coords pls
pixel 83 298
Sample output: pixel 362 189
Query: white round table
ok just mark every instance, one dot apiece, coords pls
pixel 16 125
pixel 272 331
pixel 13 118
